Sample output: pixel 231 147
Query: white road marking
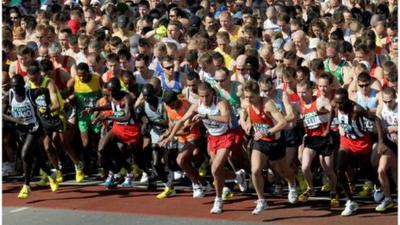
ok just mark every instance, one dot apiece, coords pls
pixel 19 209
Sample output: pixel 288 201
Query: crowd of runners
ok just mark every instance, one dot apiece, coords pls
pixel 235 94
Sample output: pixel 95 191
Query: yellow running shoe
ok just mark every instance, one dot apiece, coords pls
pixel 227 194
pixel 59 176
pixel 123 172
pixel 43 179
pixel 53 183
pixel 136 171
pixel 25 192
pixel 335 203
pixel 304 197
pixel 326 187
pixel 168 192
pixel 79 175
pixel 367 190
pixel 203 168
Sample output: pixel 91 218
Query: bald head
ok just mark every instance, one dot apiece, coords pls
pixel 241 59
pixel 300 40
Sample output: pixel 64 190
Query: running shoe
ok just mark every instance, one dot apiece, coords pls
pixel 43 179
pixel 217 207
pixel 305 195
pixel 367 190
pixel 326 187
pixel 135 171
pixel 25 192
pixel 79 175
pixel 110 182
pixel 53 182
pixel 334 202
pixel 227 193
pixel 292 196
pixel 378 194
pixel 351 208
pixel 178 175
pixel 261 205
pixel 145 178
pixel 385 205
pixel 123 172
pixel 241 180
pixel 127 182
pixel 168 192
pixel 198 191
pixel 59 176
pixel 203 168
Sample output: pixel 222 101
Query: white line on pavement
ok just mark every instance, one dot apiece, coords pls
pixel 19 209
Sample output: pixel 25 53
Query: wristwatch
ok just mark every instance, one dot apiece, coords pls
pixel 269 133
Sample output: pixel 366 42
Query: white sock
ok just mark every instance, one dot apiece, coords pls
pixel 218 199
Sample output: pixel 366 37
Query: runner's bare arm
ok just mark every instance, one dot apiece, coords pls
pixel 55 104
pixel 188 115
pixel 288 108
pixel 225 116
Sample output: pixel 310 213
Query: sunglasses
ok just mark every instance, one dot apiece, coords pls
pixel 279 60
pixel 168 67
pixel 220 81
pixel 387 102
pixel 363 85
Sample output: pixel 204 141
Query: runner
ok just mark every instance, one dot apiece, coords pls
pixel 23 113
pixel 217 117
pixel 355 143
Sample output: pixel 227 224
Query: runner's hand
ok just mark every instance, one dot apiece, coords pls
pixel 86 112
pixel 258 135
pixel 199 117
pixel 381 148
pixel 165 141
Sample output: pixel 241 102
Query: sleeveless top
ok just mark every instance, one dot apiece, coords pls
pixel 315 123
pixel 350 128
pixel 40 100
pixel 371 102
pixel 158 114
pixel 24 110
pixel 177 84
pixel 390 118
pixel 176 114
pixel 262 122
pixel 20 71
pixel 214 128
pixel 338 73
pixel 88 93
pixel 118 109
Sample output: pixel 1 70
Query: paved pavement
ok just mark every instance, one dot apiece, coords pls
pixel 41 216
pixel 89 203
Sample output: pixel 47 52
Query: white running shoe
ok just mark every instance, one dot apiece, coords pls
pixel 145 178
pixel 385 204
pixel 241 180
pixel 351 208
pixel 198 191
pixel 292 196
pixel 178 175
pixel 378 194
pixel 217 208
pixel 261 205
